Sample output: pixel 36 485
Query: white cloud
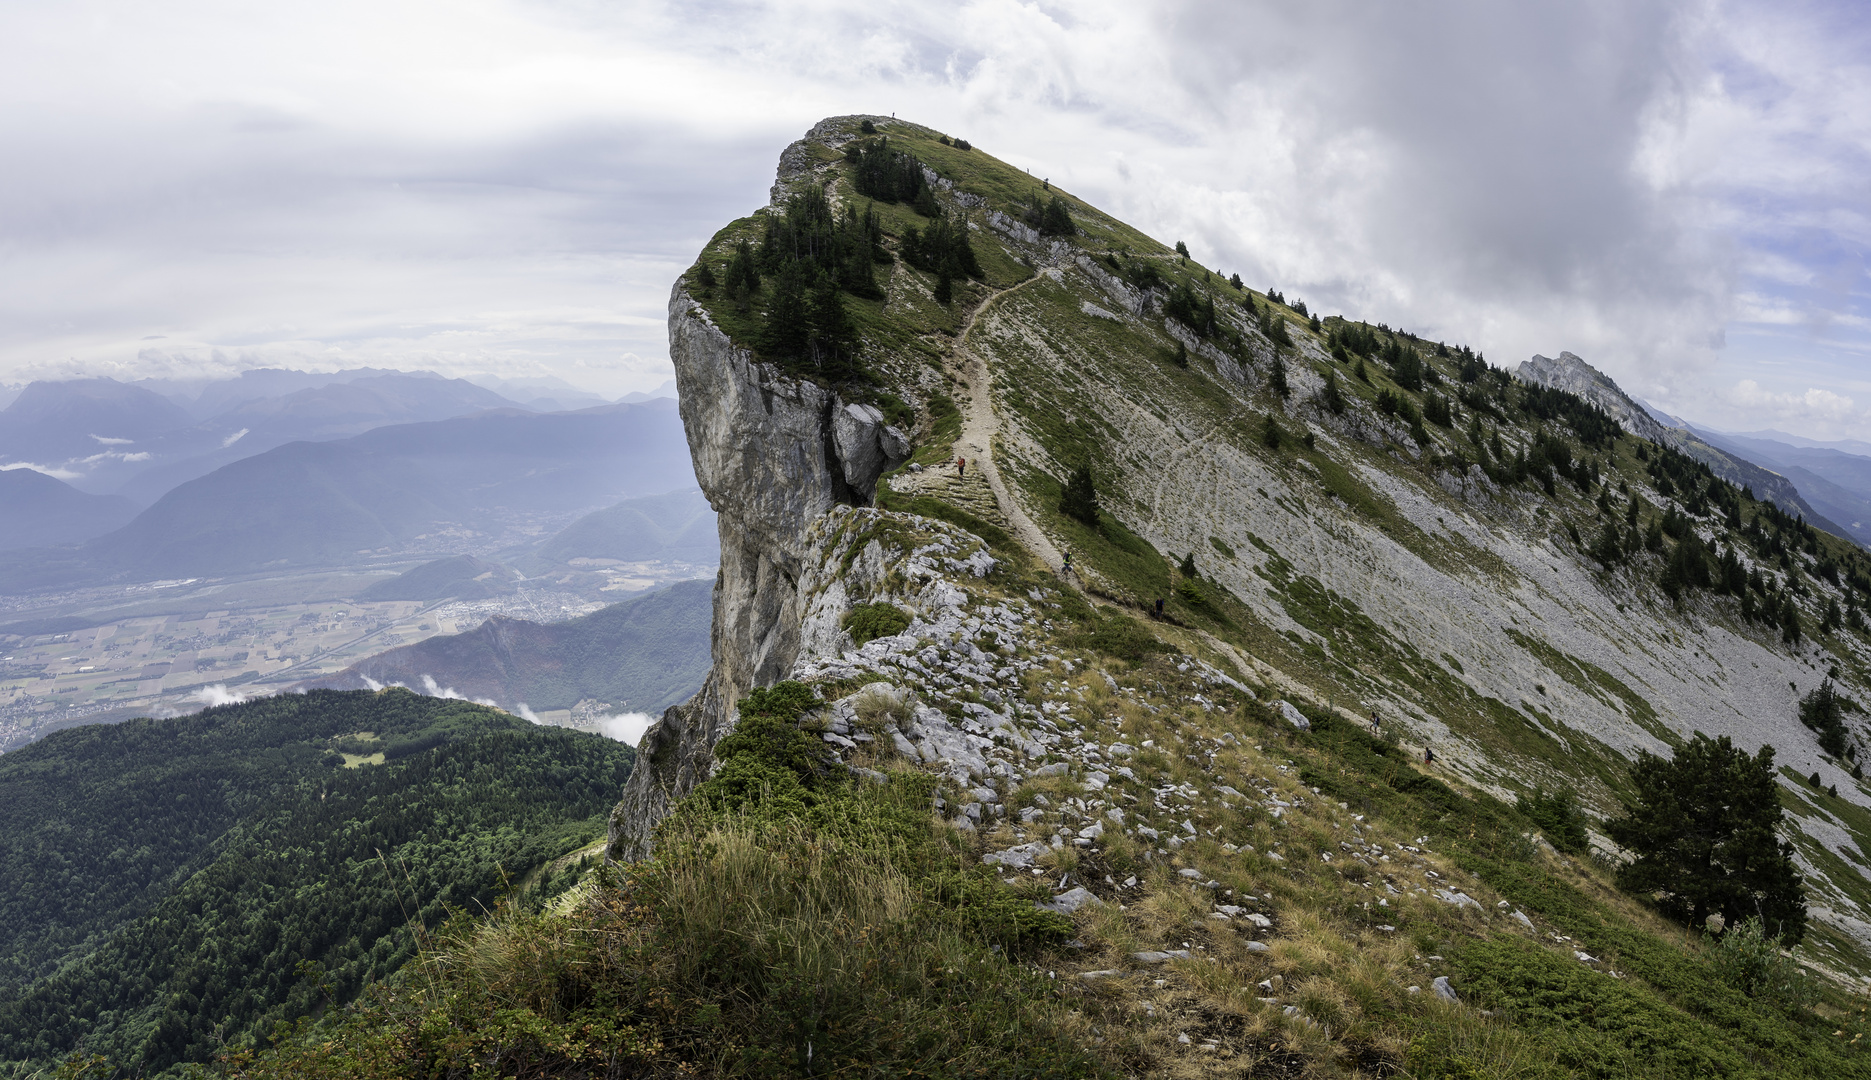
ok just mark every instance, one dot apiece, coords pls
pixel 216 695
pixel 53 471
pixel 1814 405
pixel 626 727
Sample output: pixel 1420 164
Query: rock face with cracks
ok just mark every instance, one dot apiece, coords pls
pixel 773 455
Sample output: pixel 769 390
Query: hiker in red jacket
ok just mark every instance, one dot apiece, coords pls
pixel 961 467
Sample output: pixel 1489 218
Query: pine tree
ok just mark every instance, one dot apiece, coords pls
pixel 1235 280
pixel 1358 370
pixel 743 280
pixel 787 329
pixel 1276 378
pixel 705 278
pixel 944 287
pixel 1079 498
pixel 925 203
pixel 1823 711
pixel 832 333
pixel 1702 827
pixel 1187 568
pixel 1608 550
pixel 1182 249
pixel 1056 219
pixel 1330 396
pixel 1270 433
pixel 1181 358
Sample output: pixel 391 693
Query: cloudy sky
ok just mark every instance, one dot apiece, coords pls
pixel 1675 191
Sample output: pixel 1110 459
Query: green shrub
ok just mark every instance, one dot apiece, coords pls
pixel 1118 636
pixel 1750 960
pixel 1558 816
pixel 867 622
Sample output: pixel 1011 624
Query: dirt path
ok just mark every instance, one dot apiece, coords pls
pixel 979 426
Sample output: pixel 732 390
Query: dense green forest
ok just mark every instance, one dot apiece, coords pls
pixel 172 887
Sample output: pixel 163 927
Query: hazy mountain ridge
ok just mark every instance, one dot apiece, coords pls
pixel 642 655
pixel 441 486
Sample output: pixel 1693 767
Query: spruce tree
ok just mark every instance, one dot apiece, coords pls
pixel 1276 378
pixel 1608 550
pixel 944 286
pixel 1056 219
pixel 1331 397
pixel 1187 568
pixel 1182 249
pixel 1702 827
pixel 1079 498
pixel 1270 433
pixel 787 328
pixel 705 278
pixel 833 336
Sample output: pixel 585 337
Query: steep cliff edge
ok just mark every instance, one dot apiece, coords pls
pixel 773 454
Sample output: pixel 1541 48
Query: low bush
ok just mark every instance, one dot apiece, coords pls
pixel 867 622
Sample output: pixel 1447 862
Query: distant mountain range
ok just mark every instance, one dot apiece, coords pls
pixel 444 486
pixel 644 654
pixel 1836 482
pixel 37 510
pixel 676 527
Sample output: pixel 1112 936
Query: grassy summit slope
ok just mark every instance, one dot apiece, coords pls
pixel 1342 520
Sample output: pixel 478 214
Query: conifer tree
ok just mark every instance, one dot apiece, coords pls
pixel 833 337
pixel 1270 433
pixel 1187 568
pixel 1182 249
pixel 1079 498
pixel 787 329
pixel 1608 550
pixel 1056 219
pixel 944 286
pixel 1331 397
pixel 705 278
pixel 925 203
pixel 1276 378
pixel 1702 827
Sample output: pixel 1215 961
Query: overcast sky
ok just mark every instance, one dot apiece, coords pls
pixel 1674 191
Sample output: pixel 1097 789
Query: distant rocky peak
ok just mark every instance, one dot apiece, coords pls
pixel 1572 374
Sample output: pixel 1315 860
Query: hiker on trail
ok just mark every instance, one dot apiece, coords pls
pixel 1066 567
pixel 1159 607
pixel 1376 724
pixel 1429 756
pixel 961 467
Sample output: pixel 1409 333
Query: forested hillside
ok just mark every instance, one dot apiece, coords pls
pixel 167 880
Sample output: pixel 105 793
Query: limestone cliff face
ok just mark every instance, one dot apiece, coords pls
pixel 773 455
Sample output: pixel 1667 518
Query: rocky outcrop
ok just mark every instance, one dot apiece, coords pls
pixel 773 454
pixel 1571 373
